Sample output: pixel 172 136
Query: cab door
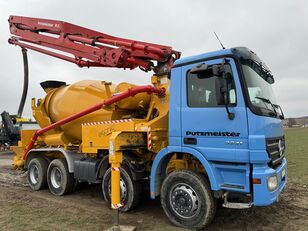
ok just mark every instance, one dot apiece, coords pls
pixel 205 124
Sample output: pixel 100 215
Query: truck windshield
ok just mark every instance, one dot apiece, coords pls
pixel 259 88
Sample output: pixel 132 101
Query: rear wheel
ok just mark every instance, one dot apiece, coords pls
pixel 187 199
pixel 37 173
pixel 130 189
pixel 60 180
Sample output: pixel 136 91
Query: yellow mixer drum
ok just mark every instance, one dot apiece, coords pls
pixel 66 100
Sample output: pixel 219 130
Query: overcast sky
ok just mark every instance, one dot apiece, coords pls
pixel 276 30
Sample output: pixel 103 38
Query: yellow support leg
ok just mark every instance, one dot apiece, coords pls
pixel 116 193
pixel 115 159
pixel 115 185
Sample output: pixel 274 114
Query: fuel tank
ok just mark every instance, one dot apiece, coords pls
pixel 64 100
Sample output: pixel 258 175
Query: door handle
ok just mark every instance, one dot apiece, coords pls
pixel 190 141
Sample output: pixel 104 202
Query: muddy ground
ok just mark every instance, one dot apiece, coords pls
pixel 23 209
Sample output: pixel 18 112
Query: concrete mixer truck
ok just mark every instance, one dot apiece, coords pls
pixel 208 129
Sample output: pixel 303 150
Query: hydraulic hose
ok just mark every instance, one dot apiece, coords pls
pixel 26 83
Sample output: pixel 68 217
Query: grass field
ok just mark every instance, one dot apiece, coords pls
pixel 297 154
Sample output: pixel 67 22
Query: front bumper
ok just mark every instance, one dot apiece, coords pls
pixel 261 194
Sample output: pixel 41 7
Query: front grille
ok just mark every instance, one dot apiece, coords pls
pixel 275 148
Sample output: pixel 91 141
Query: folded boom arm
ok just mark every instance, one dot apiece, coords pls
pixel 88 48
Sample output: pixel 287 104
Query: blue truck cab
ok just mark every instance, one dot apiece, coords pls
pixel 223 114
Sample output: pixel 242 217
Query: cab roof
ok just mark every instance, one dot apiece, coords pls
pixel 238 51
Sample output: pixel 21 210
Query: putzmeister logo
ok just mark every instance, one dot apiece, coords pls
pixel 228 134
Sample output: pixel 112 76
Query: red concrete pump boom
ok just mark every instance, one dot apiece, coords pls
pixel 88 48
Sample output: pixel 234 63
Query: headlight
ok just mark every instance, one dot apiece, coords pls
pixel 272 183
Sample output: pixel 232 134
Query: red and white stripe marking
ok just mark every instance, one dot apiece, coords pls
pixel 115 169
pixel 149 138
pixel 117 206
pixel 107 122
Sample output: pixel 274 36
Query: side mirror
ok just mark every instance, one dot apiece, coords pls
pixel 228 76
pixel 217 70
pixel 221 90
pixel 221 87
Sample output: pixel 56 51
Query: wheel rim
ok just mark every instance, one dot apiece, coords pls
pixel 184 200
pixel 123 190
pixel 56 177
pixel 34 174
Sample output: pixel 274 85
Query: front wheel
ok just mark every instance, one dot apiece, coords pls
pixel 187 199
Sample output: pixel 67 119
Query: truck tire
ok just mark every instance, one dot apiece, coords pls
pixel 130 189
pixel 187 199
pixel 60 180
pixel 37 173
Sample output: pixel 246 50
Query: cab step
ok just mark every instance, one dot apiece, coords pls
pixel 235 205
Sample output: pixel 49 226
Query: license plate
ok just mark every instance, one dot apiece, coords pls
pixel 283 173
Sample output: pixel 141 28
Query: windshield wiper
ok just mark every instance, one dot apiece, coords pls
pixel 269 102
pixel 263 71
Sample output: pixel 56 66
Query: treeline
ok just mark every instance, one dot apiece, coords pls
pixel 296 122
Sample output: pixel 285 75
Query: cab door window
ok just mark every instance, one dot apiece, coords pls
pixel 201 90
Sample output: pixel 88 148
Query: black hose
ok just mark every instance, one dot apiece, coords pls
pixel 26 83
